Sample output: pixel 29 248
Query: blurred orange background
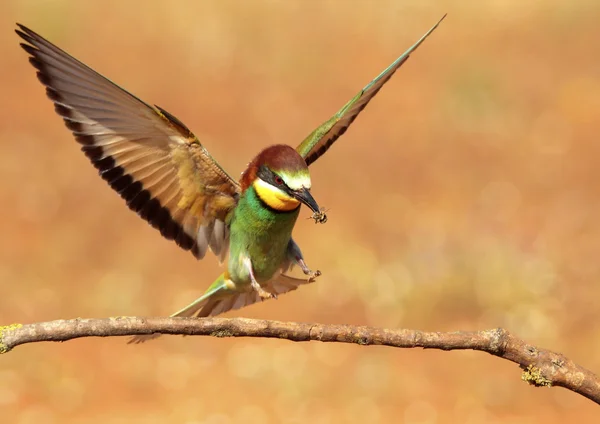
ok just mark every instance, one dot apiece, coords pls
pixel 465 197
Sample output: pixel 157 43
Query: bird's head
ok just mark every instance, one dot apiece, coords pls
pixel 280 177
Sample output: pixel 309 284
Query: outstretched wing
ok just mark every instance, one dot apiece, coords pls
pixel 321 139
pixel 229 300
pixel 221 297
pixel 146 154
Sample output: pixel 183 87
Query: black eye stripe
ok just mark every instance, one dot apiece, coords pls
pixel 269 176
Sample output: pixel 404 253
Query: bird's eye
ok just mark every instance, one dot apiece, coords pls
pixel 278 180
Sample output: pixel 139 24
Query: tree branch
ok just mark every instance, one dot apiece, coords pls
pixel 541 367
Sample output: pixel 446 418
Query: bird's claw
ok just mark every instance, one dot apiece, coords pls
pixel 267 295
pixel 264 295
pixel 312 276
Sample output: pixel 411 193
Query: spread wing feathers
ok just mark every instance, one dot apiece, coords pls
pixel 147 155
pixel 321 139
pixel 226 299
pixel 222 297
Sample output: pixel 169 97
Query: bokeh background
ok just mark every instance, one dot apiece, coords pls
pixel 466 196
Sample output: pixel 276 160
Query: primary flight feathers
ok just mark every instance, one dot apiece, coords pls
pixel 321 139
pixel 151 158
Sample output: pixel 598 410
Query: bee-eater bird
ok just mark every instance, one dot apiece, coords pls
pixel 165 174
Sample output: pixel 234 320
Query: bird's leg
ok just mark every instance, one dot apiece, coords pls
pixel 264 295
pixel 295 255
pixel 306 270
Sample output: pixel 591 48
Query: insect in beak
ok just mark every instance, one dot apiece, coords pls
pixel 305 197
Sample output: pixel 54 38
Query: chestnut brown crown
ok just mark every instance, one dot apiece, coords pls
pixel 280 158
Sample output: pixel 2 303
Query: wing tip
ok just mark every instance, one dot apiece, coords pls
pixel 136 197
pixel 439 22
pixel 21 29
pixel 26 34
pixel 317 149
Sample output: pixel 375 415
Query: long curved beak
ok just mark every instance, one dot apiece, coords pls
pixel 305 197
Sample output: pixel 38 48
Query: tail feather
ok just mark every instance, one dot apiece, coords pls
pixel 221 298
pixel 194 308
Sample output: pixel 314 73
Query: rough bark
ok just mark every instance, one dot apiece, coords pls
pixel 541 367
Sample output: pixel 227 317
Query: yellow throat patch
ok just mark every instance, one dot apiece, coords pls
pixel 274 197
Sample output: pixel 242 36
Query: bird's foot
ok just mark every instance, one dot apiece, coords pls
pixel 312 275
pixel 264 295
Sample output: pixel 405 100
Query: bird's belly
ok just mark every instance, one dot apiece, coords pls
pixel 267 255
pixel 259 236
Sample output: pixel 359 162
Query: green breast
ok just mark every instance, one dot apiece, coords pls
pixel 260 233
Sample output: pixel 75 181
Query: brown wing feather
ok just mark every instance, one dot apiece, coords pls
pixel 227 301
pixel 146 154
